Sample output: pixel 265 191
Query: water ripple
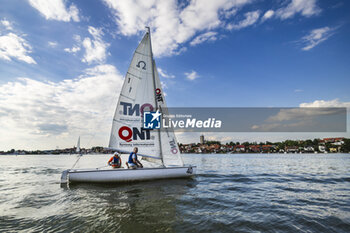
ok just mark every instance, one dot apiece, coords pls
pixel 246 193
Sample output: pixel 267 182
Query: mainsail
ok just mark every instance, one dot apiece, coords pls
pixel 141 92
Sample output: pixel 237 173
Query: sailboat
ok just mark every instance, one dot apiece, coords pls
pixel 77 150
pixel 141 92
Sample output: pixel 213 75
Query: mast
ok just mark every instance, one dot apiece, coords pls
pixel 154 89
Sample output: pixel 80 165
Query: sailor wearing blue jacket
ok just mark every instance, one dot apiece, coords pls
pixel 133 162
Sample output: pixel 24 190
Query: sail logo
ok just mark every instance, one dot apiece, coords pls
pixel 143 66
pixel 129 109
pixel 173 146
pixel 151 120
pixel 159 97
pixel 127 134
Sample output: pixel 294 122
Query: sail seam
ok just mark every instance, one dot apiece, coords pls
pixel 146 55
pixel 127 97
pixel 121 122
pixel 134 75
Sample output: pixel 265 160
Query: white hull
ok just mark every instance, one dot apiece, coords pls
pixel 126 175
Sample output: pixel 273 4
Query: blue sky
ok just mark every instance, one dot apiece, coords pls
pixel 62 62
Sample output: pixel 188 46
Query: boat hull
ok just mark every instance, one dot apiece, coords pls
pixel 126 175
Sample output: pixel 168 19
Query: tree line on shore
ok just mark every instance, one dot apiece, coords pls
pixel 326 145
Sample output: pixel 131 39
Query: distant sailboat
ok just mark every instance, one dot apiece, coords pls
pixel 141 92
pixel 78 146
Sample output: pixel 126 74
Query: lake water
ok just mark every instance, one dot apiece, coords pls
pixel 231 193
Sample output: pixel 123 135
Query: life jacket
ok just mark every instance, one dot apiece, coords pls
pixel 114 161
pixel 130 157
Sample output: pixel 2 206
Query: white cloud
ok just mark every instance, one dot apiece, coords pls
pixel 304 117
pixel 268 14
pixel 301 119
pixel 164 86
pixel 172 24
pixel 36 114
pixel 250 19
pixel 300 113
pixel 298 90
pixel 56 10
pixel 164 74
pixel 14 46
pixel 192 75
pixel 208 36
pixel 77 38
pixel 52 44
pixel 304 7
pixel 74 49
pixel 229 13
pixel 326 103
pixel 7 24
pixel 96 48
pixel 316 36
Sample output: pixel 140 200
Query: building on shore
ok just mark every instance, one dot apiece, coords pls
pixel 201 139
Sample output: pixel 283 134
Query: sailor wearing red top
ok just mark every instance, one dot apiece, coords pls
pixel 115 161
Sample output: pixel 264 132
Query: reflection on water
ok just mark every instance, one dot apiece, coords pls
pixel 131 207
pixel 243 193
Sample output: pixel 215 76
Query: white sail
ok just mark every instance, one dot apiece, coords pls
pixel 78 145
pixel 137 95
pixel 170 149
pixel 141 92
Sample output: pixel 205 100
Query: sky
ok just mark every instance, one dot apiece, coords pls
pixel 62 62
